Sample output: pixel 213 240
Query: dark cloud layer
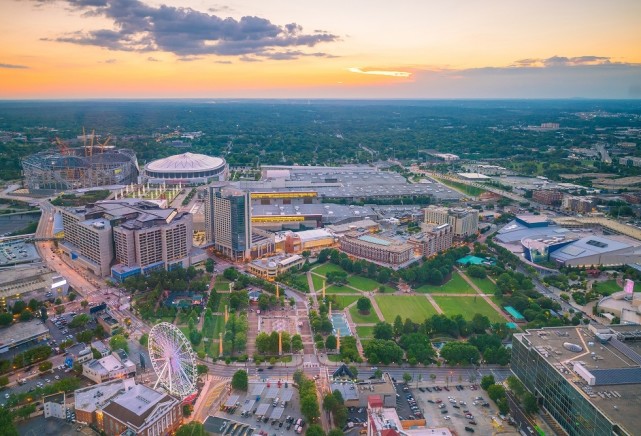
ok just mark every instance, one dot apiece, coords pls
pixel 187 32
pixel 14 67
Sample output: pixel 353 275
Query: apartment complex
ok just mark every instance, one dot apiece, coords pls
pixel 548 197
pixel 464 221
pixel 127 237
pixel 587 378
pixel 578 204
pixel 378 249
pixel 123 407
pixel 630 161
pixel 228 222
pixel 433 239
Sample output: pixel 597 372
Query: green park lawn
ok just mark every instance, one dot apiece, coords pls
pixel 363 283
pixel 318 282
pixel 327 268
pixel 468 306
pixel 415 307
pixel 485 285
pixel 359 318
pixel 221 284
pixel 334 289
pixel 365 331
pixel 455 285
pixel 609 287
pixel 346 300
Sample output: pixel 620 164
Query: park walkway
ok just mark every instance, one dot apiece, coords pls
pixel 433 303
pixel 485 297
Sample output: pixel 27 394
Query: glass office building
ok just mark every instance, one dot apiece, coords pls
pixel 546 361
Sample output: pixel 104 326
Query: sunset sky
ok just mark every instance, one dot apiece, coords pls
pixel 320 49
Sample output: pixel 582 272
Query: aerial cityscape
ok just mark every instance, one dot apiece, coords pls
pixel 268 218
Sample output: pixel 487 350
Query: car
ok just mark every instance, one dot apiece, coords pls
pixel 270 367
pixel 469 429
pixel 280 424
pixel 430 401
pixel 447 417
pixel 57 377
pixel 472 422
pixel 443 412
pixel 260 370
pixel 6 396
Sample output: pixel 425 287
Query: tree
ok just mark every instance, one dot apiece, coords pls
pixel 79 320
pixel 209 265
pixel 329 403
pixel 476 271
pixel 496 392
pixel 84 336
pixel 43 313
pixel 383 330
pixel 194 428
pixel 119 342
pixel 364 305
pixel 26 315
pixel 240 380
pixel 4 380
pixel 398 326
pixel 18 307
pixel 7 428
pixel 5 319
pixel 45 366
pixel 487 381
pixel 515 386
pixel 314 430
pixel 530 405
pixel 378 373
pixel 330 342
pixel 354 371
pixel 84 304
pixel 33 305
pixel 144 339
pixel 297 343
pixel 407 377
pixel 202 369
pixel 480 323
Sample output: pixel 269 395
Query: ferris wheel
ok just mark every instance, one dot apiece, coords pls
pixel 173 359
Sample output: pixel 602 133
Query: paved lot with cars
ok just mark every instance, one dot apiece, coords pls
pixel 265 407
pixel 465 409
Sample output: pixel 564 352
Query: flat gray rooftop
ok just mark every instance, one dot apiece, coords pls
pixel 21 331
pixel 620 402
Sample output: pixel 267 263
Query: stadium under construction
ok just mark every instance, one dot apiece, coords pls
pixel 52 171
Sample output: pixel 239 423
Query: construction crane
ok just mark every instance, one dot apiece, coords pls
pixel 104 144
pixel 88 149
pixel 63 146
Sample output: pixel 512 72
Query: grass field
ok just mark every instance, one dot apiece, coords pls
pixel 365 331
pixel 339 290
pixel 363 283
pixel 318 282
pixel 456 285
pixel 472 191
pixel 363 319
pixel 326 268
pixel 485 285
pixel 346 300
pixel 414 307
pixel 467 306
pixel 609 287
pixel 221 284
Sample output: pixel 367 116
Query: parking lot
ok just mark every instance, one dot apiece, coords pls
pixel 265 408
pixel 463 409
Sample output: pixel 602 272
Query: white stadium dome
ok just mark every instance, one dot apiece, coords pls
pixel 187 168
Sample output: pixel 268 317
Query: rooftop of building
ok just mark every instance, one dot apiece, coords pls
pixel 23 273
pixel 312 235
pixel 593 245
pixel 58 397
pixel 21 331
pixel 333 213
pixel 280 260
pixel 609 354
pixel 137 404
pixel 514 232
pixel 346 182
pixel 109 363
pixel 185 163
pixel 100 346
pixel 354 225
pixel 378 241
pixel 79 350
pixel 94 397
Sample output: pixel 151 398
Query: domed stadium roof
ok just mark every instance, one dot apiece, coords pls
pixel 186 163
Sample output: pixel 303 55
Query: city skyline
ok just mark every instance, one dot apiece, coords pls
pixel 190 49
